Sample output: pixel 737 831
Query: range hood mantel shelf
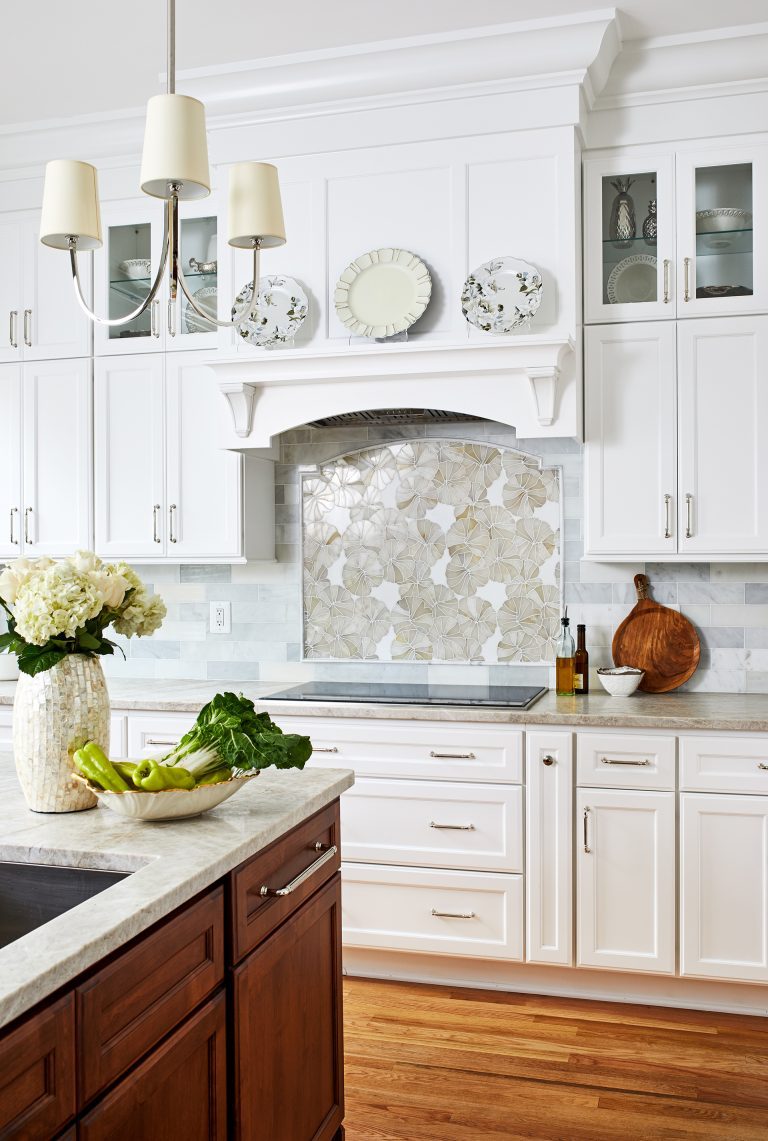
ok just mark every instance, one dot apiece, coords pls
pixel 514 380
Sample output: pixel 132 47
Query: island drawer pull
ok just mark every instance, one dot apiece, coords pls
pixel 762 765
pixel 452 756
pixel 633 764
pixel 455 827
pixel 453 914
pixel 587 848
pixel 302 877
pixel 172 741
pixel 329 749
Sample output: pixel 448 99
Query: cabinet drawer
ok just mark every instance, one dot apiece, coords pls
pixel 254 915
pixel 150 734
pixel 450 913
pixel 434 824
pixel 129 1005
pixel 37 1074
pixel 724 764
pixel 625 760
pixel 429 750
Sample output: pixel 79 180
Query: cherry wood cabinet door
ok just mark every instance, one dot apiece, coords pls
pixel 288 1068
pixel 37 1074
pixel 179 1093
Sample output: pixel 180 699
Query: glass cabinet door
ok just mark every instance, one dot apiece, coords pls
pixel 629 239
pixel 198 242
pixel 722 261
pixel 123 271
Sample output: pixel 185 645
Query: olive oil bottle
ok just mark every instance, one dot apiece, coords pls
pixel 581 662
pixel 564 663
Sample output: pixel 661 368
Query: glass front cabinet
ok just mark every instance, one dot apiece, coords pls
pixel 674 235
pixel 126 264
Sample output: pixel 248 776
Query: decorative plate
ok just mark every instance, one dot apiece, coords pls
pixel 501 295
pixel 281 307
pixel 206 299
pixel 382 293
pixel 633 280
pixel 171 803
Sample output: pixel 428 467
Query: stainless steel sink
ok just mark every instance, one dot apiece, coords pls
pixel 32 894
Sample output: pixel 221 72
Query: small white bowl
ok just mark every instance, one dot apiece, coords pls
pixel 135 267
pixel 171 803
pixel 621 681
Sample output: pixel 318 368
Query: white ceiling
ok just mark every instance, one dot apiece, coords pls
pixel 92 56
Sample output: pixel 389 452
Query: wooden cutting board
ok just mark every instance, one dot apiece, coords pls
pixel 658 640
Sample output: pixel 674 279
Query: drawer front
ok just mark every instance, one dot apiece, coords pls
pixel 153 733
pixel 433 824
pixel 37 1074
pixel 430 750
pixel 129 1005
pixel 310 845
pixel 625 760
pixel 449 913
pixel 724 764
pixel 118 735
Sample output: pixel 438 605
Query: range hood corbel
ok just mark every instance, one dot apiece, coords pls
pixel 513 380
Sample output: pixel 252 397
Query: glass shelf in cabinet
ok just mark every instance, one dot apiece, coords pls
pixel 136 288
pixel 724 242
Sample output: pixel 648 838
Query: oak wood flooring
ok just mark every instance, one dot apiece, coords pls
pixel 431 1063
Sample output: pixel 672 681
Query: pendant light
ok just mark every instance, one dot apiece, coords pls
pixel 174 167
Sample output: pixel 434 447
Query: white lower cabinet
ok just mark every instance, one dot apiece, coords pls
pixel 724 886
pixel 153 733
pixel 626 880
pixel 549 848
pixel 6 727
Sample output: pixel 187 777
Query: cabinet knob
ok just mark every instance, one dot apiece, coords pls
pixel 548 760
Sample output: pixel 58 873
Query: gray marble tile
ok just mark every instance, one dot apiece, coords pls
pixel 593 592
pixel 233 671
pixel 756 592
pixel 756 637
pixel 663 592
pixel 723 637
pixel 205 572
pixel 677 572
pixel 710 592
pixel 152 648
pixel 757 681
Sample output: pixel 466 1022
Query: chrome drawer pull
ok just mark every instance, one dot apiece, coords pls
pixel 587 848
pixel 332 749
pixel 632 764
pixel 762 765
pixel 172 741
pixel 453 756
pixel 303 877
pixel 14 513
pixel 455 827
pixel 13 317
pixel 453 914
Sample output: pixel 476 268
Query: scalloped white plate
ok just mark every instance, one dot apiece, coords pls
pixel 382 293
pixel 633 280
pixel 172 803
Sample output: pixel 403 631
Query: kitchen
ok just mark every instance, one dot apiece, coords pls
pixel 516 330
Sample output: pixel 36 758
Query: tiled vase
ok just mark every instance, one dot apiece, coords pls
pixel 53 714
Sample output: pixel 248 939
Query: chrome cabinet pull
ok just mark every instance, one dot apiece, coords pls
pixel 454 827
pixel 28 328
pixel 688 516
pixel 667 518
pixel 153 325
pixel 13 318
pixel 667 296
pixel 27 513
pixel 171 510
pixel 453 914
pixel 172 741
pixel 155 511
pixel 762 765
pixel 302 877
pixel 14 512
pixel 686 279
pixel 452 756
pixel 633 764
pixel 548 760
pixel 587 848
pixel 330 749
pixel 172 318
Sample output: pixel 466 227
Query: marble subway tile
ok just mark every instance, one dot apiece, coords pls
pixel 757 681
pixel 259 651
pixel 756 637
pixel 194 671
pixel 591 592
pixel 723 637
pixel 677 572
pixel 717 681
pixel 626 594
pixel 610 572
pixel 155 648
pixel 205 572
pixel 740 615
pixel 233 671
pixel 181 632
pixel 710 592
pixel 739 572
pixel 756 592
pixel 182 591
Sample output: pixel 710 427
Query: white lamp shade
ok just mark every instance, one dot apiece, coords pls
pixel 175 148
pixel 70 205
pixel 255 209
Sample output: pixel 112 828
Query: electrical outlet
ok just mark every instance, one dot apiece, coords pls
pixel 221 618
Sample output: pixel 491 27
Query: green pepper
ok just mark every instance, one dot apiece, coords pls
pixel 218 776
pixel 149 776
pixel 125 769
pixel 97 767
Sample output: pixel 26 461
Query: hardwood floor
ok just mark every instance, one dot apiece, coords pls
pixel 428 1063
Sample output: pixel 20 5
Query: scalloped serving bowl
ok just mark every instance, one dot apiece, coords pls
pixel 135 267
pixel 171 803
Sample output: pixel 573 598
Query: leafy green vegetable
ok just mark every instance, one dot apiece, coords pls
pixel 229 732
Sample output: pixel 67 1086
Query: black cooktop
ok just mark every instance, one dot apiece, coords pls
pixel 501 696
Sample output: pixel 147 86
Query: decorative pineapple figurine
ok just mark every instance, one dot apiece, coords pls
pixel 649 225
pixel 622 226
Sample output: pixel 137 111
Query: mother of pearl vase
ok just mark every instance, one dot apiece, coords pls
pixel 54 713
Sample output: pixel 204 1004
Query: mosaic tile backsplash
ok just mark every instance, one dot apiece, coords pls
pixel 728 603
pixel 431 550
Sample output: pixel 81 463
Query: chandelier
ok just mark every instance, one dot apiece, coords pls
pixel 174 167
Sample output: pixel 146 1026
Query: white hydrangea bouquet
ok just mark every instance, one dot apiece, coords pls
pixel 55 608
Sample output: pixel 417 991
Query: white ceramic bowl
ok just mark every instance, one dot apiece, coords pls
pixel 172 803
pixel 620 681
pixel 134 267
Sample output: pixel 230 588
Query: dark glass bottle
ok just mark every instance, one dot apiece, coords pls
pixel 581 662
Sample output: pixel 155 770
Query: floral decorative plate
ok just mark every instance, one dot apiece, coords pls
pixel 281 308
pixel 206 299
pixel 501 295
pixel 633 280
pixel 382 293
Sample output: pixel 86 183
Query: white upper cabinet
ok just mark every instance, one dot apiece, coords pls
pixel 40 318
pixel 676 235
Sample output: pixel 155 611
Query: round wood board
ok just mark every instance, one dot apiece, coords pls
pixel 660 641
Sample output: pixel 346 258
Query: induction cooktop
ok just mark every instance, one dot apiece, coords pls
pixel 500 696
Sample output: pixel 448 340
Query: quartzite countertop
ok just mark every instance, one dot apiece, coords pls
pixel 172 862
pixel 734 712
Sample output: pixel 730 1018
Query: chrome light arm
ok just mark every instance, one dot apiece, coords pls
pixel 141 308
pixel 242 314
